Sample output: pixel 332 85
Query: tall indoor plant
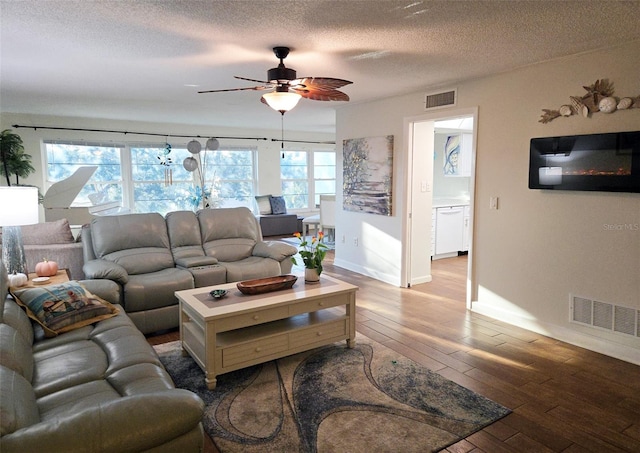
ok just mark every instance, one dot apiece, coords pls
pixel 14 160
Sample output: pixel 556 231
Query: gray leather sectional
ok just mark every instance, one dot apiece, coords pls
pixel 100 387
pixel 151 257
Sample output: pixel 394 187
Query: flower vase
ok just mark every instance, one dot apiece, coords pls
pixel 311 275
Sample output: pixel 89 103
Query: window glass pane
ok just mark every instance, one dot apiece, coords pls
pixel 324 172
pixel 294 177
pixel 63 159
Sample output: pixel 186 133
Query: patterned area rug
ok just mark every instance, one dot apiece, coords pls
pixel 332 399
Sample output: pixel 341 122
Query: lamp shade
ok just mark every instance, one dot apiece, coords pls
pixel 19 206
pixel 282 101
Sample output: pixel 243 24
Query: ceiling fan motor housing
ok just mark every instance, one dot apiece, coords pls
pixel 281 74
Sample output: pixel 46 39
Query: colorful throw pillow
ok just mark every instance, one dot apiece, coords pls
pixel 278 206
pixel 264 204
pixel 63 307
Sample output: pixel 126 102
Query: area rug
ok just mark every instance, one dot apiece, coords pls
pixel 334 399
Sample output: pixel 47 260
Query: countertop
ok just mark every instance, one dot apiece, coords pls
pixel 443 202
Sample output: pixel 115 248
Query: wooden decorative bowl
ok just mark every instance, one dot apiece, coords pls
pixel 266 285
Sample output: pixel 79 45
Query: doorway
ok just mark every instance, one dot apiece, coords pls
pixel 428 187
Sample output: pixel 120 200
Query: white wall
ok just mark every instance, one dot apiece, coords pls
pixel 539 246
pixel 268 156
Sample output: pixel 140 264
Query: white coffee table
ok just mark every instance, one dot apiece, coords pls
pixel 241 330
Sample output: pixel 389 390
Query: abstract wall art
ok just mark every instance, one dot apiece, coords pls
pixel 367 175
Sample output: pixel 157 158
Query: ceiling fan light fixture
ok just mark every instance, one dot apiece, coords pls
pixel 282 101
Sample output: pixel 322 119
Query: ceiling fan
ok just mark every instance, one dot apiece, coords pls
pixel 289 88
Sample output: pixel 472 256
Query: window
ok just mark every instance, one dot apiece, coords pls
pixel 106 184
pixel 294 177
pixel 324 174
pixel 134 175
pixel 229 174
pixel 157 187
pixel 302 182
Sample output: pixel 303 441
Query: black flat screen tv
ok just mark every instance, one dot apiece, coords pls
pixel 602 162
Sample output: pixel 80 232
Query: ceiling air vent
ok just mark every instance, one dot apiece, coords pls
pixel 440 100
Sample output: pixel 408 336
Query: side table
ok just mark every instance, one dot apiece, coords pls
pixel 63 275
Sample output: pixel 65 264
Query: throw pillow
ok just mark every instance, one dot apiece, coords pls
pixel 264 205
pixel 278 206
pixel 56 232
pixel 63 307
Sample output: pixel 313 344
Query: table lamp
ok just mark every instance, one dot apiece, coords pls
pixel 19 206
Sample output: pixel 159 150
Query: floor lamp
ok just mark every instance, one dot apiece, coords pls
pixel 19 207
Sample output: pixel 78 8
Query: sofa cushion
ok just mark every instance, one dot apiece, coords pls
pixel 264 204
pixel 57 232
pixel 16 317
pixel 278 205
pixel 67 365
pixel 63 307
pixel 15 352
pixel 18 402
pixel 137 242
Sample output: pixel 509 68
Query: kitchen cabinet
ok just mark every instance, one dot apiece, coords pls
pixel 449 229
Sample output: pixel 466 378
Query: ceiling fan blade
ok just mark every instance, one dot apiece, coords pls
pixel 251 80
pixel 321 94
pixel 321 82
pixel 256 88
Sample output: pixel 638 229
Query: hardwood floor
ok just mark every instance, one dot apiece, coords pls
pixel 564 398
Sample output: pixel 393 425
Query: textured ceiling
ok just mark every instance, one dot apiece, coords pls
pixel 146 60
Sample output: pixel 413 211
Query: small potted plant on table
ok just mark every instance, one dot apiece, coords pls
pixel 312 253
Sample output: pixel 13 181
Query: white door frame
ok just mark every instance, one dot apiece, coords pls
pixel 408 224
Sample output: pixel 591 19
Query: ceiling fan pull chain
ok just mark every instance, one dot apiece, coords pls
pixel 282 133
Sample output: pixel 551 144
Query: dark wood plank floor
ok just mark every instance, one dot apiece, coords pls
pixel 564 398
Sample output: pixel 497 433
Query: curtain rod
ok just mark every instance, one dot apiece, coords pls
pixel 156 134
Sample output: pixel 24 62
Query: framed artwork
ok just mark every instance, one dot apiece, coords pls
pixel 367 175
pixel 452 156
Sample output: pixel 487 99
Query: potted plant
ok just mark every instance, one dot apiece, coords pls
pixel 312 253
pixel 14 160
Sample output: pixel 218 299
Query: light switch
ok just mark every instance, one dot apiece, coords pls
pixel 493 203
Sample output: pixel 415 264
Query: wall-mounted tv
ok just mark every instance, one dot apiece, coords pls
pixel 603 162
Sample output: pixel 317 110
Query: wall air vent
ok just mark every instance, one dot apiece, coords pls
pixel 603 315
pixel 440 100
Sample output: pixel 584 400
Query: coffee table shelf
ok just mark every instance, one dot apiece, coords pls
pixel 249 330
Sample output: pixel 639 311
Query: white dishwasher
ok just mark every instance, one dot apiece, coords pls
pixel 449 229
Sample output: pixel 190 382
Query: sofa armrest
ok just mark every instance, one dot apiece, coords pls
pixel 103 288
pixel 97 269
pixel 196 261
pixel 276 250
pixel 152 419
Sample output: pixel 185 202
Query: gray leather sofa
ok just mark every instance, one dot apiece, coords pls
pixel 151 257
pixel 99 387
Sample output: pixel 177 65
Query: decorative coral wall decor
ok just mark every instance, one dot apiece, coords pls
pixel 599 98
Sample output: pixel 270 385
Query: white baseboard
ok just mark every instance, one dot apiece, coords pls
pixel 583 340
pixel 367 272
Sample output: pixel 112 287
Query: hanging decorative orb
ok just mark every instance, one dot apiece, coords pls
pixel 190 164
pixel 194 146
pixel 213 144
